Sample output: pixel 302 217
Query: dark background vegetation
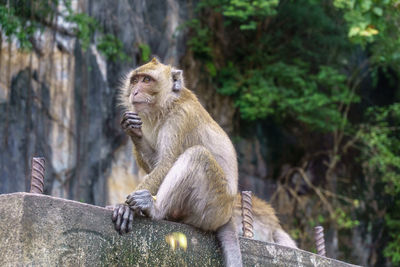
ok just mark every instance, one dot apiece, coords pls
pixel 307 89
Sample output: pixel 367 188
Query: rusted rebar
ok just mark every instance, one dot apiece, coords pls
pixel 319 240
pixel 37 175
pixel 247 214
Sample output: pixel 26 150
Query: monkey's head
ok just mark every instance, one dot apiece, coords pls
pixel 151 87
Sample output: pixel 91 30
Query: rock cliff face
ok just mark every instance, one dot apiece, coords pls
pixel 60 100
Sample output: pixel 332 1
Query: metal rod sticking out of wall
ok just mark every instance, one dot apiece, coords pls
pixel 320 240
pixel 37 175
pixel 247 214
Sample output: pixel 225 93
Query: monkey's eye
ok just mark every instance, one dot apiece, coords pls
pixel 134 80
pixel 146 79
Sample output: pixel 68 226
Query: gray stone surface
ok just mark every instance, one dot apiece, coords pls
pixel 62 105
pixel 40 230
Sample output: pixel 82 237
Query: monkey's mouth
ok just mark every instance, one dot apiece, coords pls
pixel 140 103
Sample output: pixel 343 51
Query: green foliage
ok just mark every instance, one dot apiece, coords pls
pixel 145 52
pixel 381 148
pixel 111 47
pixel 382 142
pixel 249 13
pixel 23 18
pixel 11 26
pixel 85 27
pixel 200 42
pixel 392 250
pixel 343 219
pixel 283 90
pixel 376 22
pixel 364 17
pixel 302 63
pixel 273 86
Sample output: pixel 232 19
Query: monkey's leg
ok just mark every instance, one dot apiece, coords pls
pixel 195 191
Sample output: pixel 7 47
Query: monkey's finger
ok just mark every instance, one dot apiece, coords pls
pixel 139 198
pixel 135 126
pixel 132 117
pixel 125 125
pixel 129 123
pixel 125 219
pixel 130 201
pixel 119 217
pixel 130 222
pixel 130 113
pixel 135 121
pixel 115 213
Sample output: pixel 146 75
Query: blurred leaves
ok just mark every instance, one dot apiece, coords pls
pixel 381 149
pixel 21 19
pixel 111 47
pixel 283 90
pixel 145 52
pixel 307 65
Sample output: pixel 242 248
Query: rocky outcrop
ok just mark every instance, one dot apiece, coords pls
pixel 60 102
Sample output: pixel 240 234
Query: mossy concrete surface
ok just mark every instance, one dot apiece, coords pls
pixel 40 230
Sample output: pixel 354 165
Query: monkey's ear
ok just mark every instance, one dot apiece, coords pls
pixel 154 61
pixel 177 80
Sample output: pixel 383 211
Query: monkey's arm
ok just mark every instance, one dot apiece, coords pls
pixel 168 151
pixel 144 154
pixel 153 180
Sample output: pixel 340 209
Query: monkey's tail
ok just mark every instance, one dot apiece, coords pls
pixel 283 238
pixel 229 240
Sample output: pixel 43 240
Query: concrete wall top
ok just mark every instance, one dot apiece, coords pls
pixel 40 230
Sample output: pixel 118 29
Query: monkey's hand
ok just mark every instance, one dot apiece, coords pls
pixel 132 124
pixel 122 217
pixel 142 202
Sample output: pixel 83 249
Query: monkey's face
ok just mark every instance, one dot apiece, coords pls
pixel 143 91
pixel 152 87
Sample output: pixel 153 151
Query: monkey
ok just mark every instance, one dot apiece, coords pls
pixel 157 100
pixel 266 226
pixel 191 164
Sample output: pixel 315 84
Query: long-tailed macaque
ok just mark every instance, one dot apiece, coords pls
pixel 191 164
pixel 190 161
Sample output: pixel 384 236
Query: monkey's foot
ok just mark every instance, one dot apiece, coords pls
pixel 141 201
pixel 122 218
